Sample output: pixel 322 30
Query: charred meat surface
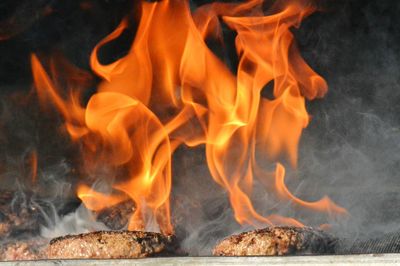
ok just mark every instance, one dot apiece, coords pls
pixel 110 245
pixel 276 241
pixel 117 217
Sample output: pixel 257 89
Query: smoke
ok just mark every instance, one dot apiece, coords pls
pixel 350 152
pixel 79 221
pixel 351 149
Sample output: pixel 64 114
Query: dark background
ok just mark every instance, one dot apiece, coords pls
pixel 350 151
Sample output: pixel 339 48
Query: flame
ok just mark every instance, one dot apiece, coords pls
pixel 324 205
pixel 97 201
pixel 171 89
pixel 33 162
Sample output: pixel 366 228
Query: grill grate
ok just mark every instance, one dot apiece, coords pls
pixel 388 243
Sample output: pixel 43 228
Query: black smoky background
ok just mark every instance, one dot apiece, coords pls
pixel 350 151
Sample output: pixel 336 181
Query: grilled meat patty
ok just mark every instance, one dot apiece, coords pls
pixel 116 217
pixel 17 215
pixel 27 249
pixel 18 251
pixel 276 241
pixel 109 245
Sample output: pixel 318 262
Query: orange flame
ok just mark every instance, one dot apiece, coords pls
pixel 97 201
pixel 171 89
pixel 33 162
pixel 323 205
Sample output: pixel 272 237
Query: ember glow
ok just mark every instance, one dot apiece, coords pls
pixel 170 89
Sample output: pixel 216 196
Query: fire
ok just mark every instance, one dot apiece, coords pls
pixel 171 89
pixel 33 161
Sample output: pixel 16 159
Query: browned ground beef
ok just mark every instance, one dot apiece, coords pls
pixel 276 241
pixel 116 217
pixel 109 244
pixel 17 216
pixel 23 250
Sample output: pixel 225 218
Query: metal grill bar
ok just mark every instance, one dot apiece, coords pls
pixel 370 259
pixel 389 243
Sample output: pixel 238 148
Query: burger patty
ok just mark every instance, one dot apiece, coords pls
pixel 28 249
pixel 17 215
pixel 277 241
pixel 116 217
pixel 109 245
